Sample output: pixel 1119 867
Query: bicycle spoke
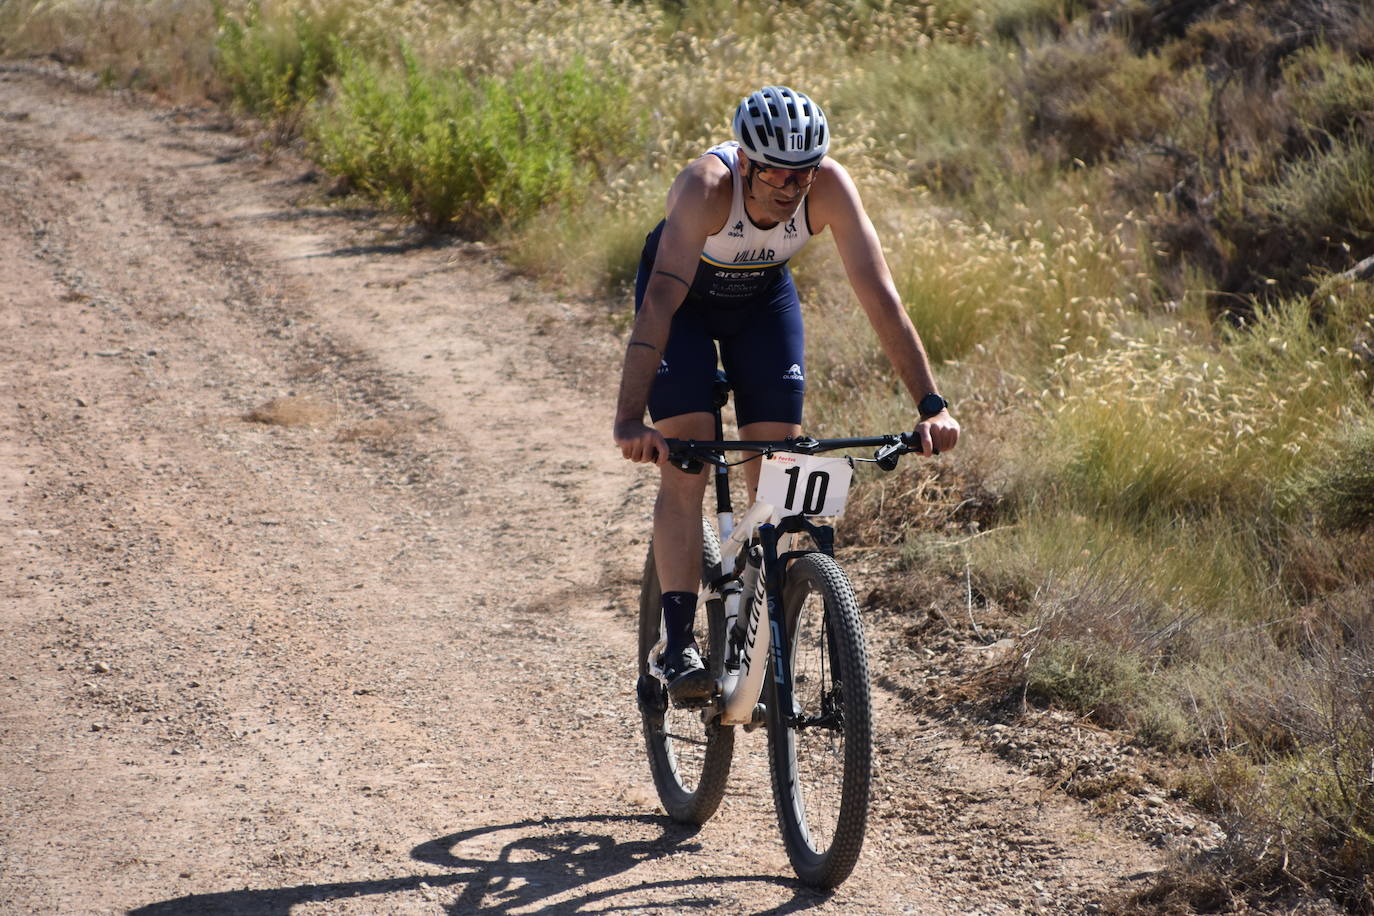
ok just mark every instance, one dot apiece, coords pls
pixel 819 751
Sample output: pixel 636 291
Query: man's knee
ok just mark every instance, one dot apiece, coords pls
pixel 680 490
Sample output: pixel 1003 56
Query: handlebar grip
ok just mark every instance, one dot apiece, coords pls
pixel 913 443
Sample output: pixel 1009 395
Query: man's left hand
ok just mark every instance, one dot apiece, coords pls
pixel 939 433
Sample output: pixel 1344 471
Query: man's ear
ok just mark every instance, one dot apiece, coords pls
pixel 741 163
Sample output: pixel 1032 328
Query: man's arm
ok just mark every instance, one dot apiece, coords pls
pixel 836 203
pixel 694 212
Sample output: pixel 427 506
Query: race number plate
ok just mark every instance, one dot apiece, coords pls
pixel 804 484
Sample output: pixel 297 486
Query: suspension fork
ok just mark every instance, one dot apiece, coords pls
pixel 774 571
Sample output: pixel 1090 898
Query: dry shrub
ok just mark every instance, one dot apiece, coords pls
pixel 1319 563
pixel 379 430
pixel 1298 814
pixel 1090 96
pixel 1099 642
pixel 159 46
pixel 289 411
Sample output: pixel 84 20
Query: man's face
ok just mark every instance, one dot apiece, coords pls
pixel 777 192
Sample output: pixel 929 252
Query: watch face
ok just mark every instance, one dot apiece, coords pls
pixel 931 404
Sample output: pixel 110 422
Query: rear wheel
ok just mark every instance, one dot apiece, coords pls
pixel 689 750
pixel 821 749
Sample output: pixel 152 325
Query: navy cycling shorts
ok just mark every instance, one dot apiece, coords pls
pixel 761 349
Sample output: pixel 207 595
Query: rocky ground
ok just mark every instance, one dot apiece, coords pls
pixel 319 574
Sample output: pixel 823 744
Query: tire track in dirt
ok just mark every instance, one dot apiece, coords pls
pixel 376 661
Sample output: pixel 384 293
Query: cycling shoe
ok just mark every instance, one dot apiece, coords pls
pixel 689 683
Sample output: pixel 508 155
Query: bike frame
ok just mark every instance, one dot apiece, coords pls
pixel 765 627
pixel 753 579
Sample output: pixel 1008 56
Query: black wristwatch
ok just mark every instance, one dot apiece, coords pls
pixel 930 405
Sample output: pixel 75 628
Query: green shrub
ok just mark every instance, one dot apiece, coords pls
pixel 475 154
pixel 1325 199
pixel 1329 92
pixel 1089 678
pixel 275 64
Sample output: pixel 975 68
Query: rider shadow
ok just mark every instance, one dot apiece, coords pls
pixel 551 858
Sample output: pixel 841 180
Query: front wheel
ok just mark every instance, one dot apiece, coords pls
pixel 689 750
pixel 821 749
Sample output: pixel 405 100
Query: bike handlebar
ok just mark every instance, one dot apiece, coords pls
pixel 690 454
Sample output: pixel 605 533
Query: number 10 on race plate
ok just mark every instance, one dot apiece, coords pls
pixel 804 484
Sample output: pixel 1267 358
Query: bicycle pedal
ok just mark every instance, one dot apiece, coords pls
pixel 692 702
pixel 652 698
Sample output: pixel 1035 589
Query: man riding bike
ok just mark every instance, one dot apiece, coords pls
pixel 715 270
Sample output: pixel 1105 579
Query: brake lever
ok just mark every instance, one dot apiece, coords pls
pixel 889 454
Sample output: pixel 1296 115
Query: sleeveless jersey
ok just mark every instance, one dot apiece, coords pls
pixel 743 260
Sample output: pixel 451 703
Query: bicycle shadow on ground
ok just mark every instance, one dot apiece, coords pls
pixel 534 872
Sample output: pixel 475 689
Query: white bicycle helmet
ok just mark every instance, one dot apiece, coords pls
pixel 782 127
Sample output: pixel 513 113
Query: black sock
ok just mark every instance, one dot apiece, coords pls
pixel 679 613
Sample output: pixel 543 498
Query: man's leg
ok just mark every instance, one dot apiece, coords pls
pixel 677 511
pixel 677 558
pixel 763 431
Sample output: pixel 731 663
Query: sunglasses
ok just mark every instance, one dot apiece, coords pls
pixel 778 177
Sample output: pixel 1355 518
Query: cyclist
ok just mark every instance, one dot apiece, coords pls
pixel 715 270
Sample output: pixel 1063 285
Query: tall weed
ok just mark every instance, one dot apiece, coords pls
pixel 152 46
pixel 974 292
pixel 1174 425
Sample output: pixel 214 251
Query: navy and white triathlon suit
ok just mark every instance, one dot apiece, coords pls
pixel 743 296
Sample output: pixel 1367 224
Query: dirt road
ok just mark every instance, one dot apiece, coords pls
pixel 319 567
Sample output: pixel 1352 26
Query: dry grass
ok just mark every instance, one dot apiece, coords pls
pixel 292 411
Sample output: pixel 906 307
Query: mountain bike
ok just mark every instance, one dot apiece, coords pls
pixel 780 632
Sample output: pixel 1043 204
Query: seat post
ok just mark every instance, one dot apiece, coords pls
pixel 724 512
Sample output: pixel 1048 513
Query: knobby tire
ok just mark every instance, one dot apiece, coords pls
pixel 822 770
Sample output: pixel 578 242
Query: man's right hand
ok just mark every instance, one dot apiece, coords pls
pixel 639 442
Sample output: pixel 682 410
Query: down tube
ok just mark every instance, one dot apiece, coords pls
pixel 777 622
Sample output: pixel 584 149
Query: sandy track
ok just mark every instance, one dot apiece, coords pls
pixel 373 656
